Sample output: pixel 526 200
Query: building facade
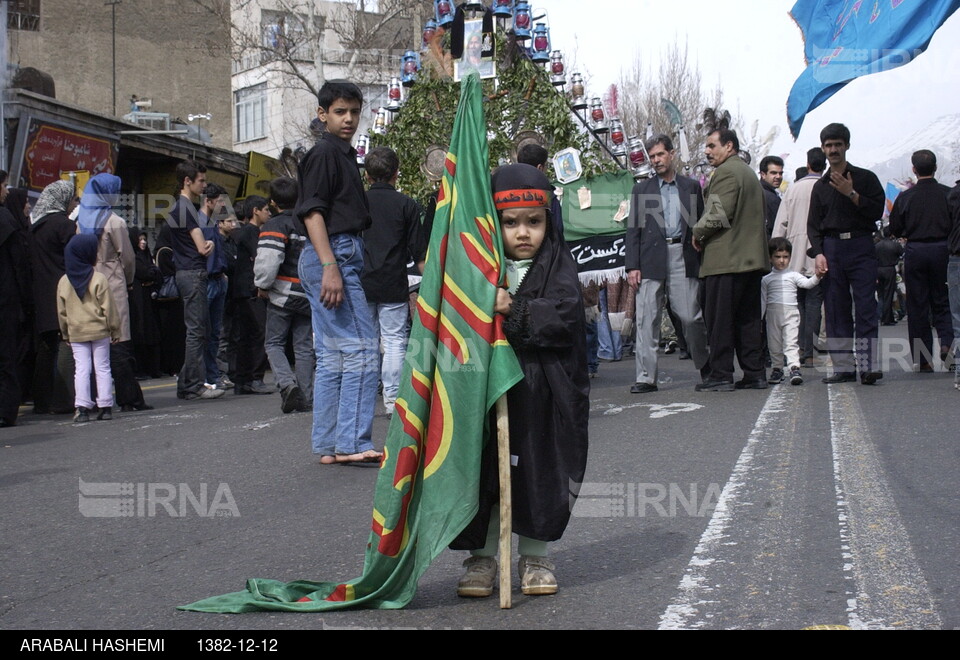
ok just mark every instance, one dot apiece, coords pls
pixel 171 54
pixel 284 49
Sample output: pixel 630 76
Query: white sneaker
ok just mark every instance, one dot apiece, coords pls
pixel 536 576
pixel 478 581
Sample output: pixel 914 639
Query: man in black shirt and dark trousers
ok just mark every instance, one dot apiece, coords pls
pixel 844 208
pixel 922 216
pixel 889 252
pixel 249 310
pixel 393 240
pixel 953 276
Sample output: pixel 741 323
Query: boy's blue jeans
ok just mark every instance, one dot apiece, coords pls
pixel 345 342
pixel 216 299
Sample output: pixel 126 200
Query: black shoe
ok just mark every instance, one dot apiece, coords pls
pixel 81 416
pixel 715 386
pixel 291 399
pixel 840 377
pixel 643 388
pixel 253 388
pixel 671 348
pixel 752 384
pixel 131 407
pixel 796 378
pixel 105 414
pixel 4 422
pixel 684 355
pixel 870 378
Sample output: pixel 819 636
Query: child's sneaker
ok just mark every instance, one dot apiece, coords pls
pixel 796 378
pixel 479 579
pixel 776 376
pixel 536 576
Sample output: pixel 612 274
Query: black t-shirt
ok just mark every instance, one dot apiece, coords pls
pixel 394 239
pixel 182 219
pixel 246 239
pixel 330 184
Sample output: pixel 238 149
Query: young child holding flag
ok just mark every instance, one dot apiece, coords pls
pixel 544 322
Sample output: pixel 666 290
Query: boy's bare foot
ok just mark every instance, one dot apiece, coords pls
pixel 369 456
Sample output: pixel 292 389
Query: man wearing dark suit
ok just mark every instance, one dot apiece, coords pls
pixel 660 260
pixel 732 236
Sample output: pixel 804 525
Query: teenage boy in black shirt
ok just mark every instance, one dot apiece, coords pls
pixel 190 252
pixel 394 240
pixel 333 209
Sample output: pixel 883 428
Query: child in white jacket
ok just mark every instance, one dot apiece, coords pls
pixel 778 291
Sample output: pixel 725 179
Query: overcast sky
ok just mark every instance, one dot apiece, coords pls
pixel 753 49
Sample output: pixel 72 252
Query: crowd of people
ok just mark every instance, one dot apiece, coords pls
pixel 745 272
pixel 312 284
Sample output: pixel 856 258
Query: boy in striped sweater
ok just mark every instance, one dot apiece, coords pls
pixel 288 309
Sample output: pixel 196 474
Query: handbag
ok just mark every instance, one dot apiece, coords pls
pixel 168 290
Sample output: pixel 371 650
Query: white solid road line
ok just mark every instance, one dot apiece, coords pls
pixel 887 588
pixel 725 585
pixel 688 608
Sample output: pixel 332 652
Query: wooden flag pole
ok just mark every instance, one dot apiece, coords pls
pixel 506 504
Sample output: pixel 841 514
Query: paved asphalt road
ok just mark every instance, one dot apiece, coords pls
pixel 783 508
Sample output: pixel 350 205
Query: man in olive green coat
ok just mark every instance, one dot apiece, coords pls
pixel 732 237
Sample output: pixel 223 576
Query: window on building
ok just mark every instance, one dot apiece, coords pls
pixel 23 15
pixel 251 112
pixel 289 35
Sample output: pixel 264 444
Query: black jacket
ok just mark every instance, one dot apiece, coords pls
pixel 646 238
pixel 49 237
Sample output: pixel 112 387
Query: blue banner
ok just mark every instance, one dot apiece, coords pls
pixel 846 39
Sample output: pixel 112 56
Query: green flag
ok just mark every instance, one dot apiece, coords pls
pixel 458 364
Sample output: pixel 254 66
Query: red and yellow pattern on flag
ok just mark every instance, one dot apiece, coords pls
pixel 458 364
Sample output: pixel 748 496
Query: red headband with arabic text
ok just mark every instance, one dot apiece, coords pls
pixel 521 198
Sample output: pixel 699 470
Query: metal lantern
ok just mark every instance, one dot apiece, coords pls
pixel 540 50
pixel 522 22
pixel 381 121
pixel 617 137
pixel 598 120
pixel 557 75
pixel 429 31
pixel 503 8
pixel 578 93
pixel 394 95
pixel 443 10
pixel 639 159
pixel 409 67
pixel 362 143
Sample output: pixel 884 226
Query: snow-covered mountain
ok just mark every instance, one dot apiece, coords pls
pixel 942 137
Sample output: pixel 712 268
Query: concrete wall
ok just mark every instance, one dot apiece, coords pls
pixel 171 51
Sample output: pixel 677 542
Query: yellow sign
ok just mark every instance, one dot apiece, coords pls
pixel 79 178
pixel 261 170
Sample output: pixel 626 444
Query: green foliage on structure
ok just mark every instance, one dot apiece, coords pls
pixel 521 99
